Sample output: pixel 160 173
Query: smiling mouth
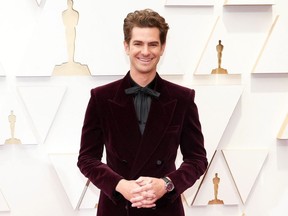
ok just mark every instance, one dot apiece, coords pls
pixel 145 60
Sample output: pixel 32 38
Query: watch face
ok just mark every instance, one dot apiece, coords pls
pixel 169 186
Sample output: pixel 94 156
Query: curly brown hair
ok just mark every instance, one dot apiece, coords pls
pixel 145 18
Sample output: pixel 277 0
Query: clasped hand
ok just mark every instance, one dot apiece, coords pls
pixel 142 192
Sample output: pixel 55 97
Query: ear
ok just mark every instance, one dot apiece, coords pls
pixel 126 47
pixel 163 48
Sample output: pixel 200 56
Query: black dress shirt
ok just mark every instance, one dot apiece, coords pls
pixel 142 101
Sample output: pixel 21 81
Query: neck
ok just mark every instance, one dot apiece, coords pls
pixel 142 79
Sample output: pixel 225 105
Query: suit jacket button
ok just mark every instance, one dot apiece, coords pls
pixel 158 162
pixel 124 161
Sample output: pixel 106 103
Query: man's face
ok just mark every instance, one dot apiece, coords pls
pixel 144 50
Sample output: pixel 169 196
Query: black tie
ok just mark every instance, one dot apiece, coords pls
pixel 142 102
pixel 145 90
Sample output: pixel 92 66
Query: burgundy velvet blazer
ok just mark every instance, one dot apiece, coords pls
pixel 111 125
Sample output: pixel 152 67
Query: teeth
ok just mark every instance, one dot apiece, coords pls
pixel 146 60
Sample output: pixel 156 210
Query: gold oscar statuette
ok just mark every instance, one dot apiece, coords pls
pixel 216 181
pixel 70 19
pixel 219 69
pixel 12 121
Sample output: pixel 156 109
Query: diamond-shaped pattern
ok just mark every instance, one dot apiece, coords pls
pixel 4 207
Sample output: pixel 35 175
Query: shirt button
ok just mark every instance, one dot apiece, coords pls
pixel 158 162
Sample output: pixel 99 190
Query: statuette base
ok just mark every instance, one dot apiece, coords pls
pixel 219 71
pixel 71 68
pixel 215 201
pixel 13 141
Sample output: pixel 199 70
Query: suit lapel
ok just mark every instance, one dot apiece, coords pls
pixel 122 108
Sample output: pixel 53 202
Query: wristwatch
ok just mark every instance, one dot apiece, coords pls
pixel 169 184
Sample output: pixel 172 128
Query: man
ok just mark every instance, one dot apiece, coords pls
pixel 142 120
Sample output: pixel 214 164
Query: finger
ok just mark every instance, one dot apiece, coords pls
pixel 142 178
pixel 142 181
pixel 145 204
pixel 142 188
pixel 137 204
pixel 139 180
pixel 148 206
pixel 136 199
pixel 137 190
pixel 148 195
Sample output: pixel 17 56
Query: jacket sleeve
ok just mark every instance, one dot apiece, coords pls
pixel 91 151
pixel 192 148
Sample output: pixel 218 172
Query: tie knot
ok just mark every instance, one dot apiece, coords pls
pixel 145 90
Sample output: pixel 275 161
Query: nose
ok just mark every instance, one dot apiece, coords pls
pixel 145 50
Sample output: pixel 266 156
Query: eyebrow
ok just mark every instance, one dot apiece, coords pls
pixel 152 42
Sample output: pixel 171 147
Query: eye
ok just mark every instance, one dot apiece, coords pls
pixel 137 43
pixel 154 44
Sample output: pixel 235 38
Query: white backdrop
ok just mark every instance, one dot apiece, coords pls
pixel 241 112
